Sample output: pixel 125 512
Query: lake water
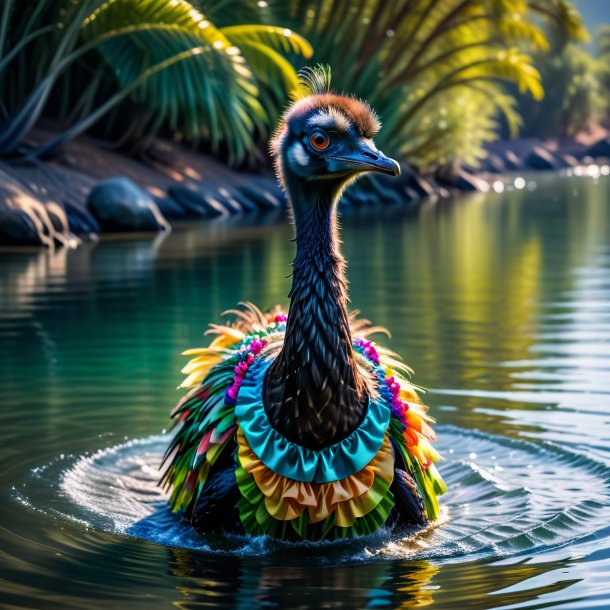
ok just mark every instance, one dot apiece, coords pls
pixel 500 302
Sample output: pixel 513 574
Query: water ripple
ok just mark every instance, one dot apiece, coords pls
pixel 505 497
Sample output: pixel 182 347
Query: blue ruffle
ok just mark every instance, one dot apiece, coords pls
pixel 298 463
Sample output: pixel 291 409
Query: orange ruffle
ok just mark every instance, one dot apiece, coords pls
pixel 349 498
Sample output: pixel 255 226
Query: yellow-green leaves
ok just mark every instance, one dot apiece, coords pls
pixel 199 80
pixel 440 73
pixel 263 45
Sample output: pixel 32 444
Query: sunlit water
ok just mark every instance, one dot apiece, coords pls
pixel 501 303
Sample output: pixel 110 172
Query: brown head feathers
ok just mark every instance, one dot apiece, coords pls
pixel 314 92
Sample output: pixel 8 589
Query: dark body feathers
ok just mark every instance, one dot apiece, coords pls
pixel 314 394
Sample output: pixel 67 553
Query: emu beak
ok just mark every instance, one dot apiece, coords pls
pixel 369 159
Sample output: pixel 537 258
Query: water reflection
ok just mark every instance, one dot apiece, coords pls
pixel 417 584
pixel 145 576
pixel 500 301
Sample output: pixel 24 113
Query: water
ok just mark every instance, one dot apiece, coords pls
pixel 501 303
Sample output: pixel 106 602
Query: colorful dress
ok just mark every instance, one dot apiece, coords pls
pixel 287 491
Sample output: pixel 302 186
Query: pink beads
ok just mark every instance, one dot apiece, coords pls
pixel 280 317
pixel 398 406
pixel 253 349
pixel 256 346
pixel 369 350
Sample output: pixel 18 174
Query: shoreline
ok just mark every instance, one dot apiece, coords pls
pixel 91 189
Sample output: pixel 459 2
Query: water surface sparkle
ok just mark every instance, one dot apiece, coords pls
pixel 501 303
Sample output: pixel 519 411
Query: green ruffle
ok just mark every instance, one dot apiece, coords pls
pixel 292 461
pixel 258 522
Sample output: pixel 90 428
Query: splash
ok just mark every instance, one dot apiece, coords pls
pixel 505 497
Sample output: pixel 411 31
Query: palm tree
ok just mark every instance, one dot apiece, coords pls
pixel 176 68
pixel 436 70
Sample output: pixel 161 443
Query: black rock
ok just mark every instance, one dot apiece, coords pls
pixel 410 182
pixel 119 204
pixel 387 194
pixel 208 201
pixel 190 201
pixel 358 196
pixel 18 227
pixel 601 148
pixel 264 198
pixel 370 190
pixel 411 194
pixel 24 219
pixel 377 189
pixel 569 160
pixel 81 222
pixel 199 201
pixel 171 209
pixel 540 158
pixel 512 161
pixel 464 181
pixel 494 164
pixel 227 198
pixel 442 192
pixel 58 217
pixel 247 203
pixel 244 200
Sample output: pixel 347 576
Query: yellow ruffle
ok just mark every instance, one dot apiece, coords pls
pixel 349 498
pixel 418 432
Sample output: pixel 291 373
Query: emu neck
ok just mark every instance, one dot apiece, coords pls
pixel 314 394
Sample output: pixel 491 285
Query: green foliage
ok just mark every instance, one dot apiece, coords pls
pixel 163 60
pixel 436 70
pixel 575 97
pixel 441 73
pixel 603 41
pixel 577 84
pixel 603 45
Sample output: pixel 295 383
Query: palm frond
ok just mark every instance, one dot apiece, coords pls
pixel 409 58
pixel 165 59
pixel 263 48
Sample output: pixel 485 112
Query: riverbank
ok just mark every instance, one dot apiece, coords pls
pixel 60 201
pixel 535 154
pixel 92 189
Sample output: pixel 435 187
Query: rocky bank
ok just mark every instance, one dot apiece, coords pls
pixel 92 189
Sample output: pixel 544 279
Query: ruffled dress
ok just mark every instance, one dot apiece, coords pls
pixel 288 491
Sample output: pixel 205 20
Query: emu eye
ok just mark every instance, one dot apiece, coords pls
pixel 319 140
